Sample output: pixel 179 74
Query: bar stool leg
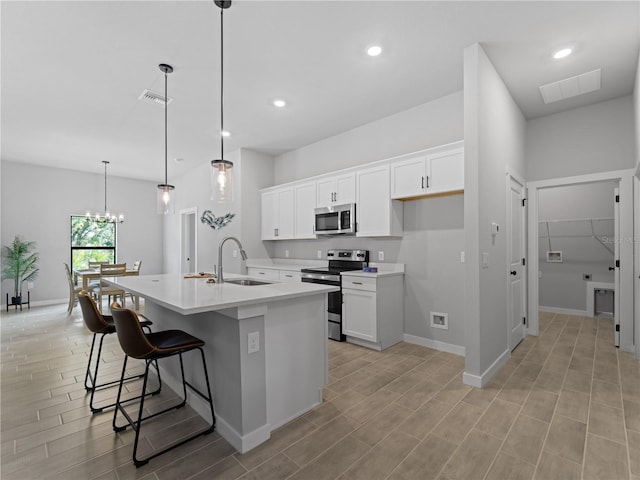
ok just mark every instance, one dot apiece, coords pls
pixel 88 374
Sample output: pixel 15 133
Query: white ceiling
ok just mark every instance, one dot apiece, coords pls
pixel 72 71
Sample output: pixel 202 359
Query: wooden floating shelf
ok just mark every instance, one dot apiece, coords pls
pixel 432 195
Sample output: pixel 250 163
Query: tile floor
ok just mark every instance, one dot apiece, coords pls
pixel 566 405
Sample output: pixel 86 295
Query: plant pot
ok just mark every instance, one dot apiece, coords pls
pixel 16 300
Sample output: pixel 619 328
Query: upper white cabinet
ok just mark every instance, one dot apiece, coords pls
pixel 336 190
pixel 427 174
pixel 377 215
pixel 305 204
pixel 278 214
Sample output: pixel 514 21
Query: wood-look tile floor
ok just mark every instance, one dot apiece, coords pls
pixel 566 405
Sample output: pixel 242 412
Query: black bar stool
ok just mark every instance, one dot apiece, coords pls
pixel 150 347
pixel 102 325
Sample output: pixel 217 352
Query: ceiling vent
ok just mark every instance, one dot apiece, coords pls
pixel 571 87
pixel 153 97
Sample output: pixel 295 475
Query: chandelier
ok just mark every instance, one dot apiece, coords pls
pixel 221 169
pixel 105 217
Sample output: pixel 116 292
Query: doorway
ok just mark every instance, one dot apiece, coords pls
pixel 189 240
pixel 566 243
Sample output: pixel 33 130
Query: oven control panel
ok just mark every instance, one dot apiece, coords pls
pixel 353 255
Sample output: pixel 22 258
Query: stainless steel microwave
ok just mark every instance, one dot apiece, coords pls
pixel 336 220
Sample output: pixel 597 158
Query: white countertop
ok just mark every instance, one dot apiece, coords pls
pixel 384 270
pixel 284 263
pixel 194 295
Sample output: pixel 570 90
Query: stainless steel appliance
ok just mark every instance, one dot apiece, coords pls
pixel 335 220
pixel 339 261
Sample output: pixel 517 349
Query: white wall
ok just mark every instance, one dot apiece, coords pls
pixel 636 112
pixel 433 228
pixel 427 125
pixel 37 203
pixel 494 133
pixel 591 139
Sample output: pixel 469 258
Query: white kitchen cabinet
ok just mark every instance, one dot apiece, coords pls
pixel 269 274
pixel 373 310
pixel 428 174
pixel 305 204
pixel 336 190
pixel 278 214
pixel 377 215
pixel 290 276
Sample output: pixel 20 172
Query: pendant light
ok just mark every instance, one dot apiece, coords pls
pixel 166 198
pixel 105 217
pixel 221 169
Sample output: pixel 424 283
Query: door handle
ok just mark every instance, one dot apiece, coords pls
pixel 611 269
pixel 513 272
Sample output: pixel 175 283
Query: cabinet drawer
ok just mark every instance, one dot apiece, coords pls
pixel 265 273
pixel 291 276
pixel 359 283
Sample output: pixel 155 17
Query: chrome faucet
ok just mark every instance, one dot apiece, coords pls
pixel 242 253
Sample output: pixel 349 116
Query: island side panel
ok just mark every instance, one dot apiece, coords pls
pixel 296 357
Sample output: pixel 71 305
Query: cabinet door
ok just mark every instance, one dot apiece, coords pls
pixel 263 273
pixel 373 206
pixel 446 171
pixel 359 314
pixel 345 188
pixel 305 204
pixel 268 228
pixel 284 227
pixel 408 177
pixel 325 191
pixel 290 276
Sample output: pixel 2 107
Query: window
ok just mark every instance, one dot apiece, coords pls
pixel 91 242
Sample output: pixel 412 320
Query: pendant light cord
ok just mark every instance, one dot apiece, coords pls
pixel 221 85
pixel 165 127
pixel 105 185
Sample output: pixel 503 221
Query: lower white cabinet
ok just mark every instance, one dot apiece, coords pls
pixel 264 273
pixel 373 310
pixel 290 276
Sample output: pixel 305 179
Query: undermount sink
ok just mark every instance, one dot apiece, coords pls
pixel 245 282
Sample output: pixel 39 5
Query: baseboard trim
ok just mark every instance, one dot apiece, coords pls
pixel 435 344
pixel 564 311
pixel 40 303
pixel 480 381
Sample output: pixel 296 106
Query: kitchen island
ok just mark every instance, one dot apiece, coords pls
pixel 254 393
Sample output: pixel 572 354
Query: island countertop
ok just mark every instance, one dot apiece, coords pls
pixel 194 295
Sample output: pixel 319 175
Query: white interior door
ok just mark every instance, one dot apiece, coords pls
pixel 616 275
pixel 188 241
pixel 516 257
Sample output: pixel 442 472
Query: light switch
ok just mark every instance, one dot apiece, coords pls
pixel 381 256
pixel 319 253
pixel 286 254
pixel 485 259
pixel 253 342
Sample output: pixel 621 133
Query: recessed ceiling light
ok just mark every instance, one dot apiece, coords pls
pixel 278 102
pixel 374 51
pixel 565 52
pixel 224 133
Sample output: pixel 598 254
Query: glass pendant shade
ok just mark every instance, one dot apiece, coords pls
pixel 166 199
pixel 221 180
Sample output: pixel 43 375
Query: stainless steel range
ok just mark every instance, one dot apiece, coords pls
pixel 339 261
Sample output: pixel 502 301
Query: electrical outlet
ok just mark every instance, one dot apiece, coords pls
pixel 462 257
pixel 485 259
pixel 286 254
pixel 253 342
pixel 235 253
pixel 381 256
pixel 320 254
pixel 29 285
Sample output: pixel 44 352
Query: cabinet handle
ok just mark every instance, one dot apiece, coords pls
pixel 427 181
pixel 422 182
pixel 260 273
pixel 357 283
pixel 289 276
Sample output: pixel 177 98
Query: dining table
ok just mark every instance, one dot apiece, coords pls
pixel 89 274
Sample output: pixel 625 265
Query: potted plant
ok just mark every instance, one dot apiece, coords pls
pixel 20 264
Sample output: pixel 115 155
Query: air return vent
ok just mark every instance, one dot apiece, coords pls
pixel 153 97
pixel 571 87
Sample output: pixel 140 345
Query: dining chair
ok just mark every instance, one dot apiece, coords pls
pixel 73 290
pixel 136 268
pixel 136 265
pixel 110 270
pixel 95 264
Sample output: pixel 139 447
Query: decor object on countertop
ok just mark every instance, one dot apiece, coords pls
pixel 106 217
pixel 199 275
pixel 214 222
pixel 166 199
pixel 20 264
pixel 221 169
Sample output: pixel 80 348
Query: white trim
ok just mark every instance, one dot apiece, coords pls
pixel 479 381
pixel 435 344
pixel 565 311
pixel 591 286
pixel 183 213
